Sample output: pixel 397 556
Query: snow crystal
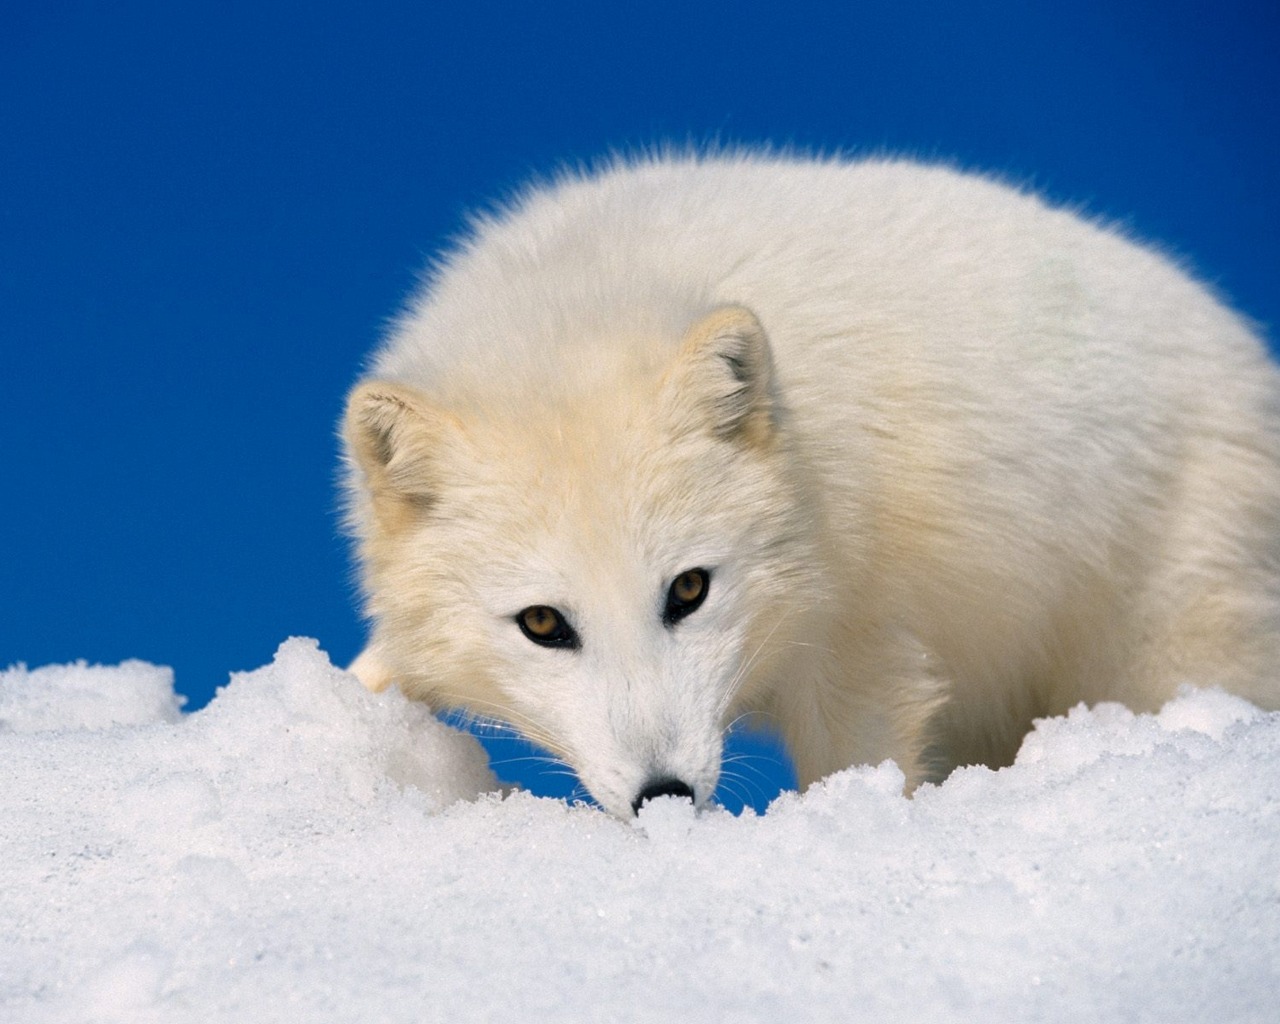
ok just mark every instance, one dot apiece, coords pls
pixel 303 850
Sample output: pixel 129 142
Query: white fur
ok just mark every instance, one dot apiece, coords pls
pixel 992 460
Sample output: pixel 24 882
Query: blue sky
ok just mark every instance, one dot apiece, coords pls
pixel 207 212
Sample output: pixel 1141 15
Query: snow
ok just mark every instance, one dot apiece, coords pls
pixel 301 850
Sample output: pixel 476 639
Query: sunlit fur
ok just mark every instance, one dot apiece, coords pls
pixel 954 458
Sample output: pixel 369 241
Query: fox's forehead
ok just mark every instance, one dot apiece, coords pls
pixel 562 441
pixel 601 479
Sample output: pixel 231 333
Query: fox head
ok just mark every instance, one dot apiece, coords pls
pixel 614 573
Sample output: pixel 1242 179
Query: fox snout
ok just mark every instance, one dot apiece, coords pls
pixel 623 776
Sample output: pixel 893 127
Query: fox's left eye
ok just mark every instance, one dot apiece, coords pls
pixel 686 594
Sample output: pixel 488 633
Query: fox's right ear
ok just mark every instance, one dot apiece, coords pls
pixel 396 437
pixel 723 376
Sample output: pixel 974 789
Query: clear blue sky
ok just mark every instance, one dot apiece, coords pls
pixel 207 210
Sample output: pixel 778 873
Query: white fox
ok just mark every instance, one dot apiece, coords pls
pixel 897 456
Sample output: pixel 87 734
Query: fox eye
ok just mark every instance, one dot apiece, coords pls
pixel 686 594
pixel 547 627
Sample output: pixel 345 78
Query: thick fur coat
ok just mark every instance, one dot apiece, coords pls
pixel 933 457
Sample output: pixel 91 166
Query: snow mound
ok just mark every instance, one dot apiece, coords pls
pixel 80 696
pixel 303 850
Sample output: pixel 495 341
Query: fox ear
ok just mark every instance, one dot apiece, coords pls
pixel 724 375
pixel 396 436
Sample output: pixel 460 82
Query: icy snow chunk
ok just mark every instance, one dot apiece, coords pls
pixel 1192 724
pixel 1211 712
pixel 82 696
pixel 1061 746
pixel 299 725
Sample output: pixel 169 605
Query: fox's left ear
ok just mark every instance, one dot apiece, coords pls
pixel 723 375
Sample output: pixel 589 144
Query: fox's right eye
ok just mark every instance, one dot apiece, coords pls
pixel 547 627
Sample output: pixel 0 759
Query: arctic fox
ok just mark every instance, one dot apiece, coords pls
pixel 898 456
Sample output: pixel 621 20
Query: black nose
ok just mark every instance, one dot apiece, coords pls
pixel 661 787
